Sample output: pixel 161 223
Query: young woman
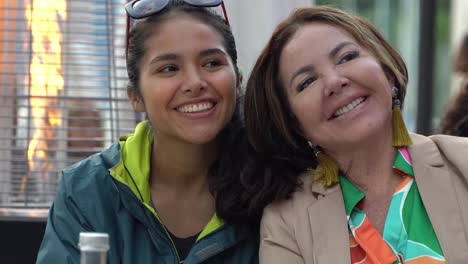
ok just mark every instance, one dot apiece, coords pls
pixel 323 101
pixel 170 192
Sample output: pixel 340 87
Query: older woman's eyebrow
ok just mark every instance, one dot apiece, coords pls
pixel 310 68
pixel 338 47
pixel 301 70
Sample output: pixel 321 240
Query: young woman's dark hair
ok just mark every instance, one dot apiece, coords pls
pixel 233 160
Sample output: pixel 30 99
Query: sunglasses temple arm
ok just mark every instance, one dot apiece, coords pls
pixel 225 13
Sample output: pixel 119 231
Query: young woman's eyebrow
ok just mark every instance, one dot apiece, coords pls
pixel 212 51
pixel 173 56
pixel 164 57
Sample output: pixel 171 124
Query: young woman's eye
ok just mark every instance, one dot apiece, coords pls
pixel 348 56
pixel 212 63
pixel 167 69
pixel 305 83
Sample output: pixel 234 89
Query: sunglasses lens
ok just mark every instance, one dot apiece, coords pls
pixel 207 3
pixel 148 6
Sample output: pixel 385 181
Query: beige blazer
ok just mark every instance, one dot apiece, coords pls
pixel 311 227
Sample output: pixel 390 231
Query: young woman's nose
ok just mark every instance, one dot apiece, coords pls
pixel 334 82
pixel 193 82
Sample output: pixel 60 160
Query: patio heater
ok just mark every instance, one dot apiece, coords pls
pixel 62 97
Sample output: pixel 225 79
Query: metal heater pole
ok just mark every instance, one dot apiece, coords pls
pixel 426 66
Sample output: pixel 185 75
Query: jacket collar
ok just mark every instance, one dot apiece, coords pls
pixel 217 237
pixel 329 227
pixel 134 167
pixel 319 190
pixel 219 241
pixel 425 150
pixel 133 171
pixel 328 218
pixel 437 193
pixel 422 152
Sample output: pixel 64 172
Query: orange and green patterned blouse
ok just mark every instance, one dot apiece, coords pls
pixel 408 235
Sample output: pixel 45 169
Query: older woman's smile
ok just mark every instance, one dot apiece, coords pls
pixel 345 109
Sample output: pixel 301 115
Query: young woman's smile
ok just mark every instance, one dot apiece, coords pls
pixel 197 109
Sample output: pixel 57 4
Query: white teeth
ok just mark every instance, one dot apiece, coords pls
pixel 348 107
pixel 193 108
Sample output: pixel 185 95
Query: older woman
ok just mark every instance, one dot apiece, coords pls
pixel 350 184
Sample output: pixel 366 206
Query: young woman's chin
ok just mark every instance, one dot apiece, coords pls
pixel 201 136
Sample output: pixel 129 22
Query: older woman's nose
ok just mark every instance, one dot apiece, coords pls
pixel 334 83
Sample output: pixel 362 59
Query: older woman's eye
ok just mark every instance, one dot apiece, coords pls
pixel 348 56
pixel 305 83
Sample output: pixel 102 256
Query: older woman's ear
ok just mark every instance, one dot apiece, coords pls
pixel 390 77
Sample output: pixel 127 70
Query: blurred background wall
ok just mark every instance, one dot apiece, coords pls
pixel 459 28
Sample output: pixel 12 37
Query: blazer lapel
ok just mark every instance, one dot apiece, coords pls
pixel 329 227
pixel 437 193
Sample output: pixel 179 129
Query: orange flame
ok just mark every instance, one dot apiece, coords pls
pixel 45 76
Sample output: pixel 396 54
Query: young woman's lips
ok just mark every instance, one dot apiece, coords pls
pixel 198 109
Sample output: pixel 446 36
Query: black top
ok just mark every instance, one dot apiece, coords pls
pixel 183 245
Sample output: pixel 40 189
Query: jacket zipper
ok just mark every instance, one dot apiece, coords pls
pixel 157 219
pixel 172 242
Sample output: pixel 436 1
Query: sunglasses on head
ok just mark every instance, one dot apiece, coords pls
pixel 138 9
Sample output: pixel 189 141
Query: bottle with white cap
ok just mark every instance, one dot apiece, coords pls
pixel 93 248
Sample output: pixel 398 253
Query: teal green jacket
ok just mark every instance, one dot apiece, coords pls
pixel 109 192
